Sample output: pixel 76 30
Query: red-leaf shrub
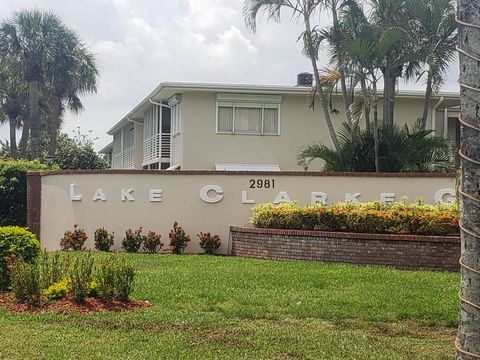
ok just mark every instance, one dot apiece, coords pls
pixel 73 240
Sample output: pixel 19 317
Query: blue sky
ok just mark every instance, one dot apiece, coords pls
pixel 143 42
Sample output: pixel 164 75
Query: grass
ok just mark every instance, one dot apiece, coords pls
pixel 232 308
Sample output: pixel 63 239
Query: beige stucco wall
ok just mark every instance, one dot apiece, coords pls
pixel 299 125
pixel 138 141
pixel 181 200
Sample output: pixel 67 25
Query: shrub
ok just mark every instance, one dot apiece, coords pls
pixel 73 240
pixel 53 268
pixel 103 239
pixel 57 290
pixel 81 278
pixel 373 217
pixel 133 240
pixel 209 243
pixel 115 279
pixel 13 189
pixel 26 283
pixel 15 242
pixel 152 242
pixel 178 239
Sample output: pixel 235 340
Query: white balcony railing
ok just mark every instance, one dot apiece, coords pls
pixel 156 148
pixel 117 161
pixel 129 158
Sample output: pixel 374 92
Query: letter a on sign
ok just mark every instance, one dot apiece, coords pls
pixel 282 197
pixel 99 195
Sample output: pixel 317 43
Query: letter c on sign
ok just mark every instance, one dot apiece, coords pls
pixel 445 195
pixel 211 199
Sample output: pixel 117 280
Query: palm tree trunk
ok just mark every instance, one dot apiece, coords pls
pixel 54 124
pixel 341 68
pixel 366 105
pixel 319 88
pixel 13 137
pixel 468 340
pixel 376 140
pixel 33 97
pixel 24 138
pixel 426 103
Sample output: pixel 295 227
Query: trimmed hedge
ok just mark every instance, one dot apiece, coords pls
pixel 13 189
pixel 374 217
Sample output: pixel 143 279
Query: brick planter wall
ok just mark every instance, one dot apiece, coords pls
pixel 401 251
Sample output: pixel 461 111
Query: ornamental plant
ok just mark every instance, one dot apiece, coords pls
pixel 26 283
pixel 373 217
pixel 73 240
pixel 178 239
pixel 209 243
pixel 103 239
pixel 114 279
pixel 133 240
pixel 80 279
pixel 152 242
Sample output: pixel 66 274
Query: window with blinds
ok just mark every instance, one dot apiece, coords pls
pixel 248 114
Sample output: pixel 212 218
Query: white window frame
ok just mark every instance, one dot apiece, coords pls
pixel 248 101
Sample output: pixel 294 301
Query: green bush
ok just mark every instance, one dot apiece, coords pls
pixel 152 242
pixel 15 243
pixel 26 283
pixel 209 243
pixel 80 278
pixel 73 240
pixel 103 239
pixel 114 279
pixel 178 239
pixel 53 268
pixel 133 240
pixel 13 189
pixel 373 217
pixel 57 290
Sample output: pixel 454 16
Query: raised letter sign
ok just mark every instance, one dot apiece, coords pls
pixel 245 199
pixel 387 197
pixel 352 197
pixel 99 195
pixel 155 195
pixel 211 199
pixel 445 195
pixel 318 198
pixel 282 197
pixel 127 195
pixel 73 195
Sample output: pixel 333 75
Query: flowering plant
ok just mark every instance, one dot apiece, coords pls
pixel 209 243
pixel 103 239
pixel 73 240
pixel 152 242
pixel 133 240
pixel 178 239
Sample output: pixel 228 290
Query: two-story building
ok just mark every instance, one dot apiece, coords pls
pixel 196 126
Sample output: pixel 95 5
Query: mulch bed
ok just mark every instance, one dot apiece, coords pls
pixel 67 305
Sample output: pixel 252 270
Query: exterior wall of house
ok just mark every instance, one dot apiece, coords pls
pixel 299 125
pixel 138 141
pixel 177 149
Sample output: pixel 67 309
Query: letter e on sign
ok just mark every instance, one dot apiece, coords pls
pixel 205 194
pixel 387 197
pixel 155 195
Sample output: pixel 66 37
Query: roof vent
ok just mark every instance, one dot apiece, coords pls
pixel 304 79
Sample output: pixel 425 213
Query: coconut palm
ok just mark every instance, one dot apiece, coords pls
pixel 433 29
pixel 31 36
pixel 72 73
pixel 468 340
pixel 303 10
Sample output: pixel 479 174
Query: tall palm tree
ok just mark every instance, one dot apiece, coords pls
pixel 31 36
pixel 433 29
pixel 72 73
pixel 468 340
pixel 303 10
pixel 13 93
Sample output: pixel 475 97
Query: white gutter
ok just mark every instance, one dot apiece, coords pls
pixel 434 114
pixel 159 104
pixel 135 122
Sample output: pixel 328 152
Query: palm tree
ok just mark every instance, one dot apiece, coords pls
pixel 400 149
pixel 13 94
pixel 433 28
pixel 468 340
pixel 73 72
pixel 304 10
pixel 31 36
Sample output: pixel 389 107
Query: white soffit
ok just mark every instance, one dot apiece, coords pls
pixel 246 167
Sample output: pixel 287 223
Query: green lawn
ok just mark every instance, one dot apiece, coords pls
pixel 233 308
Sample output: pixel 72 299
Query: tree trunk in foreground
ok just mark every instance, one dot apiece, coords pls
pixel 13 137
pixel 468 340
pixel 426 102
pixel 53 124
pixel 33 98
